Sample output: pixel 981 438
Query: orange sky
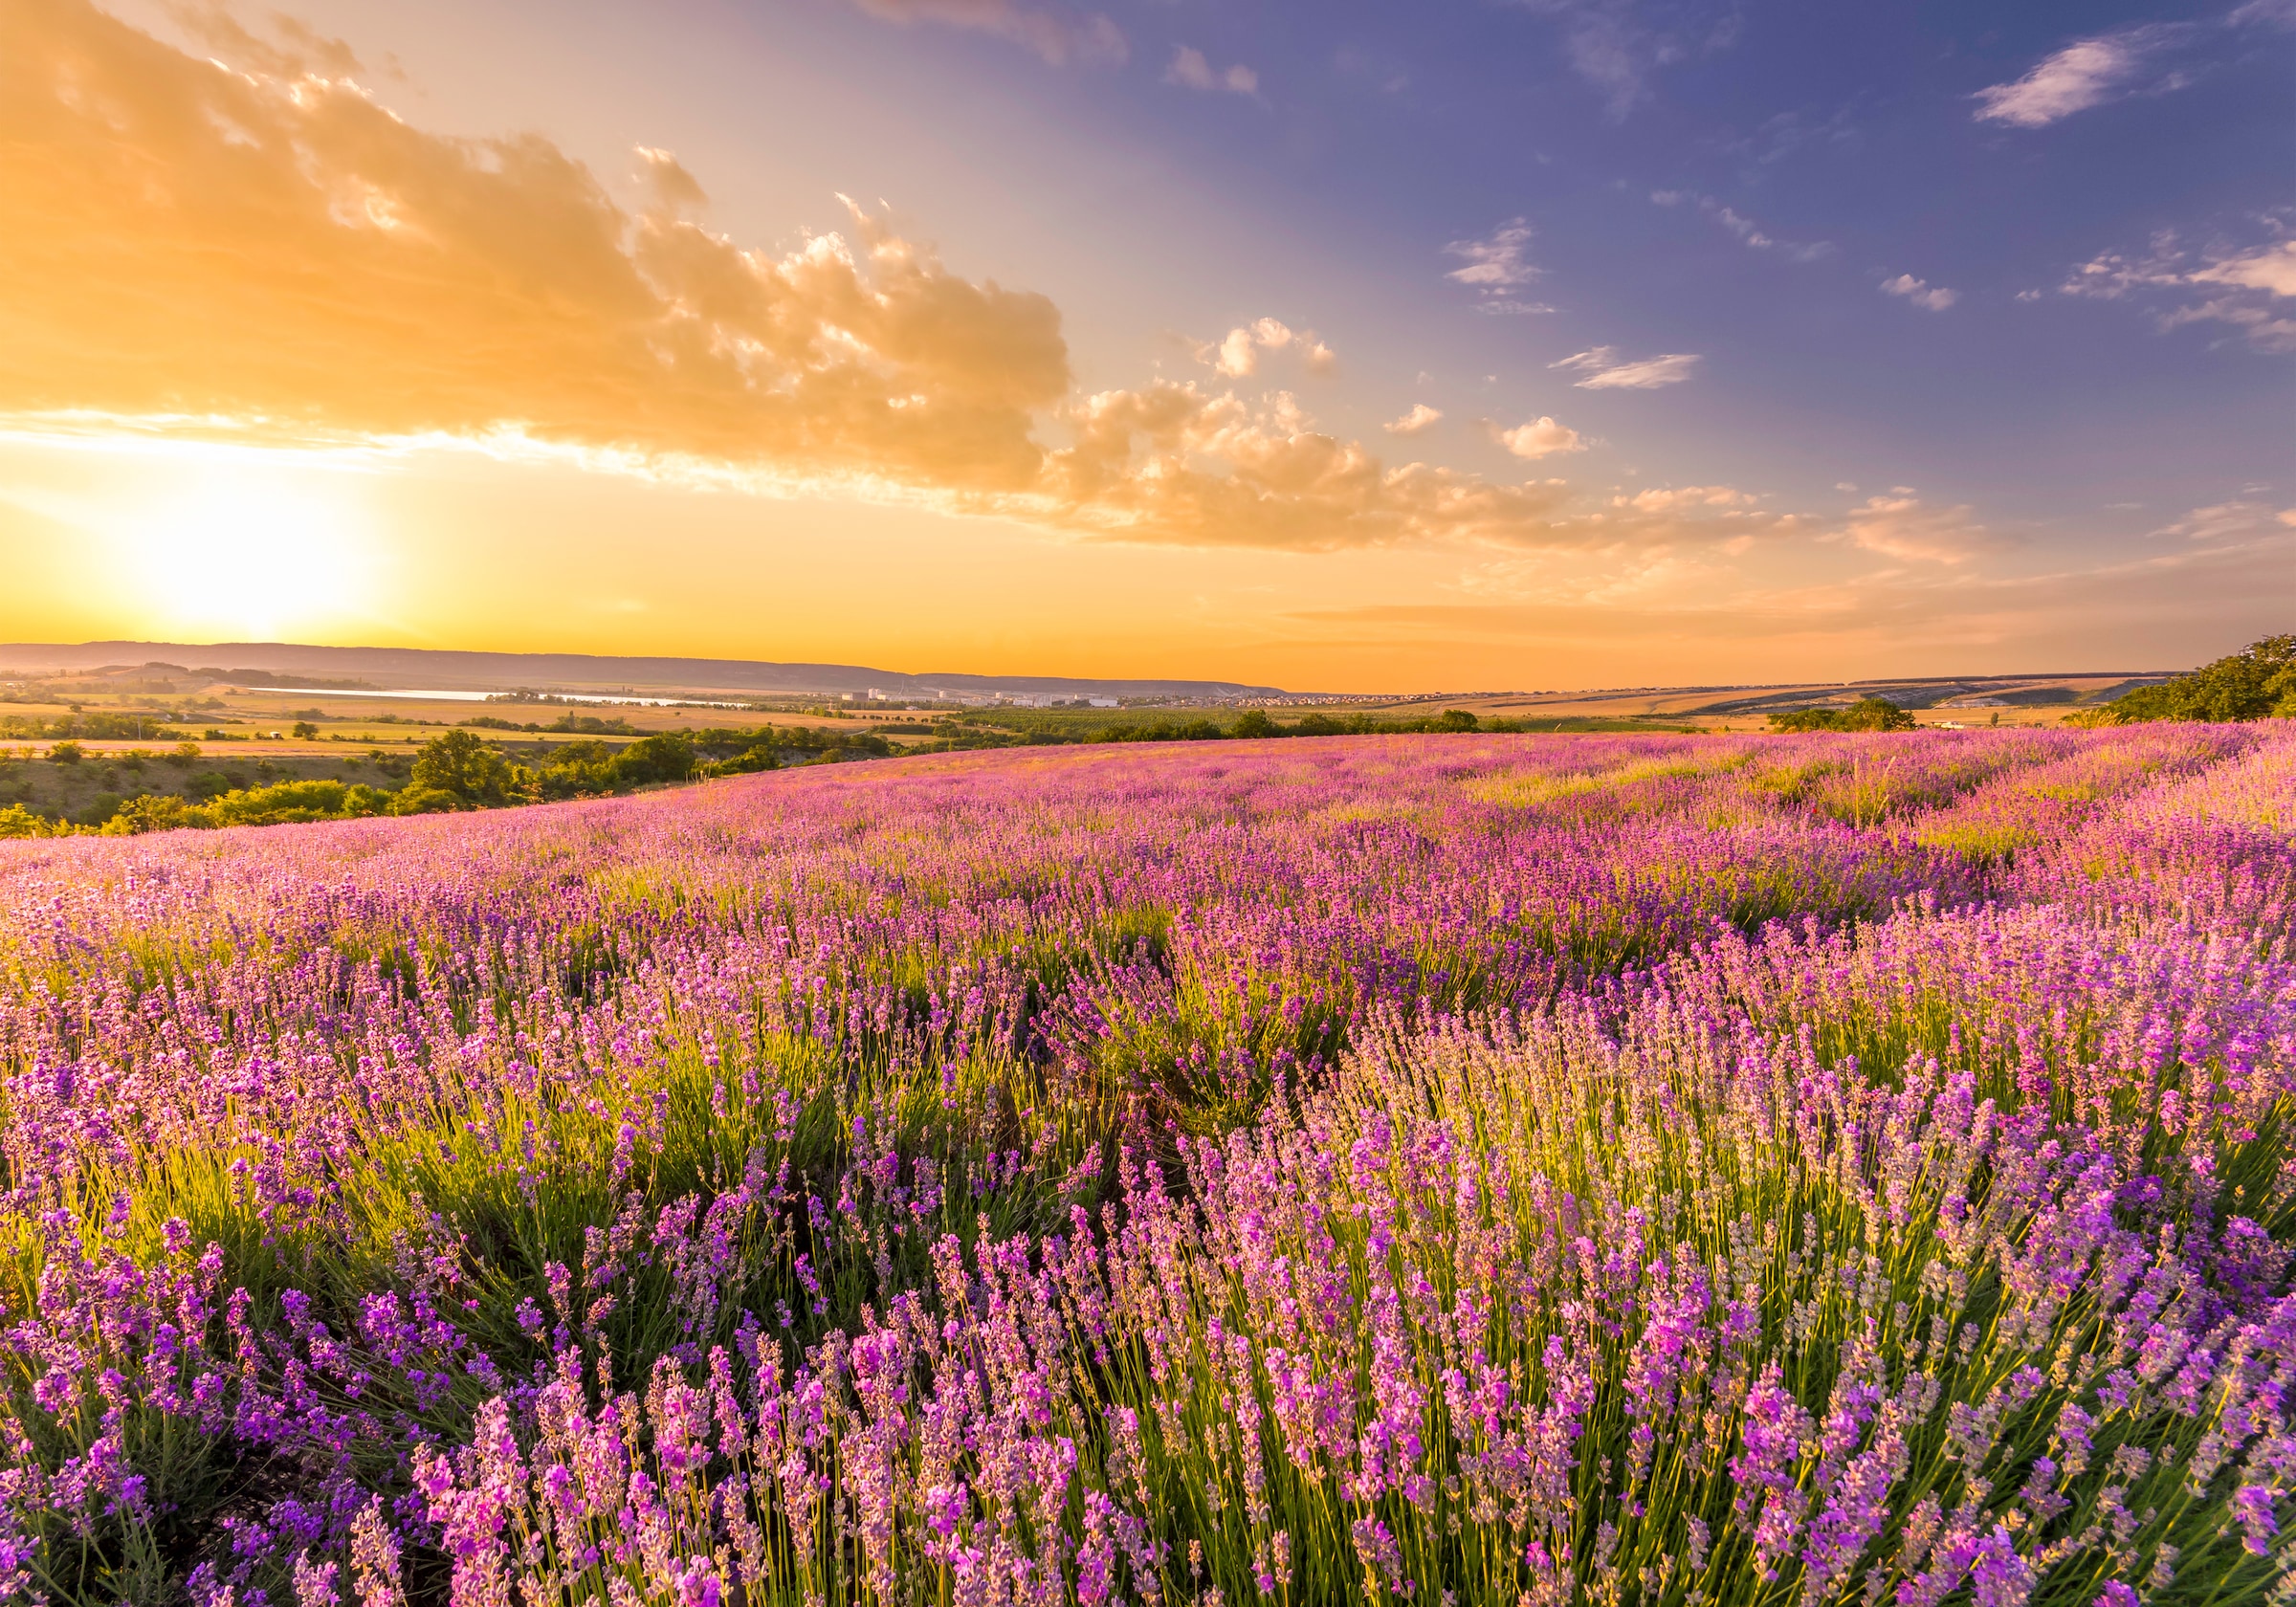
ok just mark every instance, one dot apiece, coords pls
pixel 279 361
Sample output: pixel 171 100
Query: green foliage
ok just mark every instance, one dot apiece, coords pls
pixel 66 753
pixel 668 757
pixel 304 731
pixel 426 801
pixel 1254 724
pixel 285 804
pixel 2259 682
pixel 17 820
pixel 1866 714
pixel 756 758
pixel 459 764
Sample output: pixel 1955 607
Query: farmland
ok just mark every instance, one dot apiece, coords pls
pixel 1478 1168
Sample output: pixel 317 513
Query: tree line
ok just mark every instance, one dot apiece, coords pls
pixel 2259 682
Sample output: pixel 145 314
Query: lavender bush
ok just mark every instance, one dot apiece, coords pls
pixel 1665 1170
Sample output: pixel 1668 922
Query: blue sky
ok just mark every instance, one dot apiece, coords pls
pixel 1725 340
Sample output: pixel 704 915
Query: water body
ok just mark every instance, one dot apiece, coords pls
pixel 484 696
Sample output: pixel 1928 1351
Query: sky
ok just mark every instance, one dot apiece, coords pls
pixel 1458 346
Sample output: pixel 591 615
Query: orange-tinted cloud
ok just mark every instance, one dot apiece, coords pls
pixel 261 242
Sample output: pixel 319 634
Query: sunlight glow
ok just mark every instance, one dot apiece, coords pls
pixel 236 550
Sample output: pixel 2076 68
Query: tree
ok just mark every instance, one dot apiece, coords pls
pixel 1255 723
pixel 66 753
pixel 2259 682
pixel 462 766
pixel 664 758
pixel 1455 720
pixel 304 731
pixel 1866 714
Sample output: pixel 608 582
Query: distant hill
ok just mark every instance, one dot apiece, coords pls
pixel 441 669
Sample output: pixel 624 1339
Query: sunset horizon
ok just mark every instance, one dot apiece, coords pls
pixel 1676 351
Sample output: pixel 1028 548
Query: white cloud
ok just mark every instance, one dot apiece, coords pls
pixel 1059 35
pixel 1541 437
pixel 1190 69
pixel 1603 370
pixel 1934 299
pixel 2084 74
pixel 1419 418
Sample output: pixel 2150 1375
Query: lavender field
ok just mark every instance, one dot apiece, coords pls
pixel 1450 1170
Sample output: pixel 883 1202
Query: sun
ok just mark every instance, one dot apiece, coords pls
pixel 249 551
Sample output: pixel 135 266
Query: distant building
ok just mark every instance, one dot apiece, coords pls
pixel 876 695
pixel 1102 703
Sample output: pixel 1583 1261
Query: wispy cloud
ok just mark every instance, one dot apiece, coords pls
pixel 1496 263
pixel 1418 421
pixel 1497 267
pixel 2247 287
pixel 1191 70
pixel 1902 526
pixel 1935 299
pixel 1603 372
pixel 1743 227
pixel 1058 34
pixel 2224 522
pixel 1617 45
pixel 2085 72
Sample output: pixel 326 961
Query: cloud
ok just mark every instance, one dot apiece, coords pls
pixel 1743 227
pixel 1060 36
pixel 1237 353
pixel 2123 62
pixel 1928 299
pixel 1497 267
pixel 1419 418
pixel 278 258
pixel 1614 46
pixel 1900 526
pixel 2271 269
pixel 2244 287
pixel 1604 371
pixel 2084 74
pixel 1541 437
pixel 2225 521
pixel 1191 71
pixel 1679 499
